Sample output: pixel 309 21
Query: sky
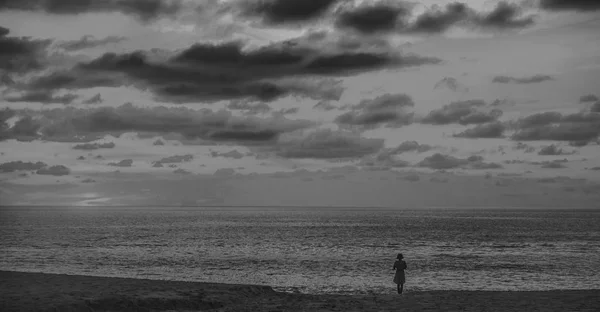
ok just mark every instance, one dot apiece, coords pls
pixel 300 102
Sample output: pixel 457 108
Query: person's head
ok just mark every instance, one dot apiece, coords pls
pixel 400 256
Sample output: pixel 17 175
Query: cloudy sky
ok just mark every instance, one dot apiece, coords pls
pixel 299 102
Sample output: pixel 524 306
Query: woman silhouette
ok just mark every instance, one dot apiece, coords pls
pixel 399 278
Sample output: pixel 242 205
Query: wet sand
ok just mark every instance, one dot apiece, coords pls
pixel 57 292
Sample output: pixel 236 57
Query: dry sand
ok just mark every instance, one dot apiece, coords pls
pixel 53 292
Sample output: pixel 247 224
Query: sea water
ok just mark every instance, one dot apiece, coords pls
pixel 312 250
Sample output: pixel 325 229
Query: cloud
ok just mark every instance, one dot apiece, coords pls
pixel 373 18
pixel 181 171
pixel 410 146
pixel 327 144
pixel 96 99
pixel 588 98
pixel 45 97
pixel 19 165
pixel 4 31
pixel 552 150
pixel 26 127
pixel 324 105
pixel 145 10
pixel 570 5
pixel 504 16
pixel 208 72
pixel 522 80
pixel 88 42
pixel 487 130
pixel 389 109
pixel 248 107
pixel 462 112
pixel 480 165
pixel 438 21
pixel 595 108
pixel 176 159
pixel 383 160
pixel 224 172
pixel 439 161
pixel 22 54
pixel 231 154
pixel 558 127
pixel 452 84
pixel 553 165
pixel 203 124
pixel 288 11
pixel 58 170
pixel 93 146
pixel 122 163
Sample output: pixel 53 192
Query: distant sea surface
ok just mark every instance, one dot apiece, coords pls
pixel 312 250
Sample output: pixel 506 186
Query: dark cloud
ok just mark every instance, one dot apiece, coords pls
pixel 96 99
pixel 144 10
pixel 327 144
pixel 325 105
pixel 249 107
pixel 224 172
pixel 19 165
pixel 231 154
pixel 45 97
pixel 373 18
pixel 595 108
pixel 555 126
pixel 438 21
pixel 439 161
pixel 176 159
pixel 462 112
pixel 22 54
pixel 487 130
pixel 212 72
pixel 58 170
pixel 504 16
pixel 385 17
pixel 540 119
pixel 410 146
pixel 389 109
pixel 450 83
pixel 286 111
pixel 202 124
pixel 552 150
pixel 553 165
pixel 522 80
pixel 385 159
pixel 181 171
pixel 570 5
pixel 479 165
pixel 93 146
pixel 588 98
pixel 88 42
pixel 442 162
pixel 25 127
pixel 288 11
pixel 122 163
pixel 559 132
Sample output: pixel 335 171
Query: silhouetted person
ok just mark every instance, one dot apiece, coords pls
pixel 399 278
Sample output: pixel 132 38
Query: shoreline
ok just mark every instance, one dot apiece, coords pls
pixel 26 291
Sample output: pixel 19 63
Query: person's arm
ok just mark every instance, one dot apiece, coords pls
pixel 395 262
pixel 405 266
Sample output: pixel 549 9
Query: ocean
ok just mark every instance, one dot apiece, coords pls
pixel 310 250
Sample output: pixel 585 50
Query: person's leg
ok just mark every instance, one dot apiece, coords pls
pixel 400 288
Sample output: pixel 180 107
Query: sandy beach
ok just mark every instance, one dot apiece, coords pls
pixel 55 292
